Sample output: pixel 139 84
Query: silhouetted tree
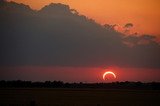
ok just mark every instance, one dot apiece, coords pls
pixel 61 84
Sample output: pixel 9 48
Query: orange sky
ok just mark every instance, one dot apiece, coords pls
pixel 144 14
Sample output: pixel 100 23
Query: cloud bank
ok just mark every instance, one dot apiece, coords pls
pixel 58 36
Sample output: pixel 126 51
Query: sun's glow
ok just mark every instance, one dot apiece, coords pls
pixel 108 72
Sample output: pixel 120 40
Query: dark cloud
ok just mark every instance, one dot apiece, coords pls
pixel 127 28
pixel 110 27
pixel 58 36
pixel 128 25
pixel 135 40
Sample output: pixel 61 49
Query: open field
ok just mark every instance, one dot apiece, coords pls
pixel 78 97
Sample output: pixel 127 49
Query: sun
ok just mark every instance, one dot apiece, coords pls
pixel 107 73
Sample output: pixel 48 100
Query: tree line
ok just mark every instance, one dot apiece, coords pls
pixel 61 84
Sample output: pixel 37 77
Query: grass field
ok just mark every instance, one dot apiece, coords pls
pixel 78 97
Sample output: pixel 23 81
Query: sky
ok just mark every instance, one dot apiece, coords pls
pixel 52 42
pixel 144 14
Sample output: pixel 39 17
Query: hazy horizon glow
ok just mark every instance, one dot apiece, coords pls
pixel 78 74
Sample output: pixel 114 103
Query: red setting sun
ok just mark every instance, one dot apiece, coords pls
pixel 109 75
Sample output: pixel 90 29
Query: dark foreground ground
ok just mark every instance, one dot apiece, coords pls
pixel 78 97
